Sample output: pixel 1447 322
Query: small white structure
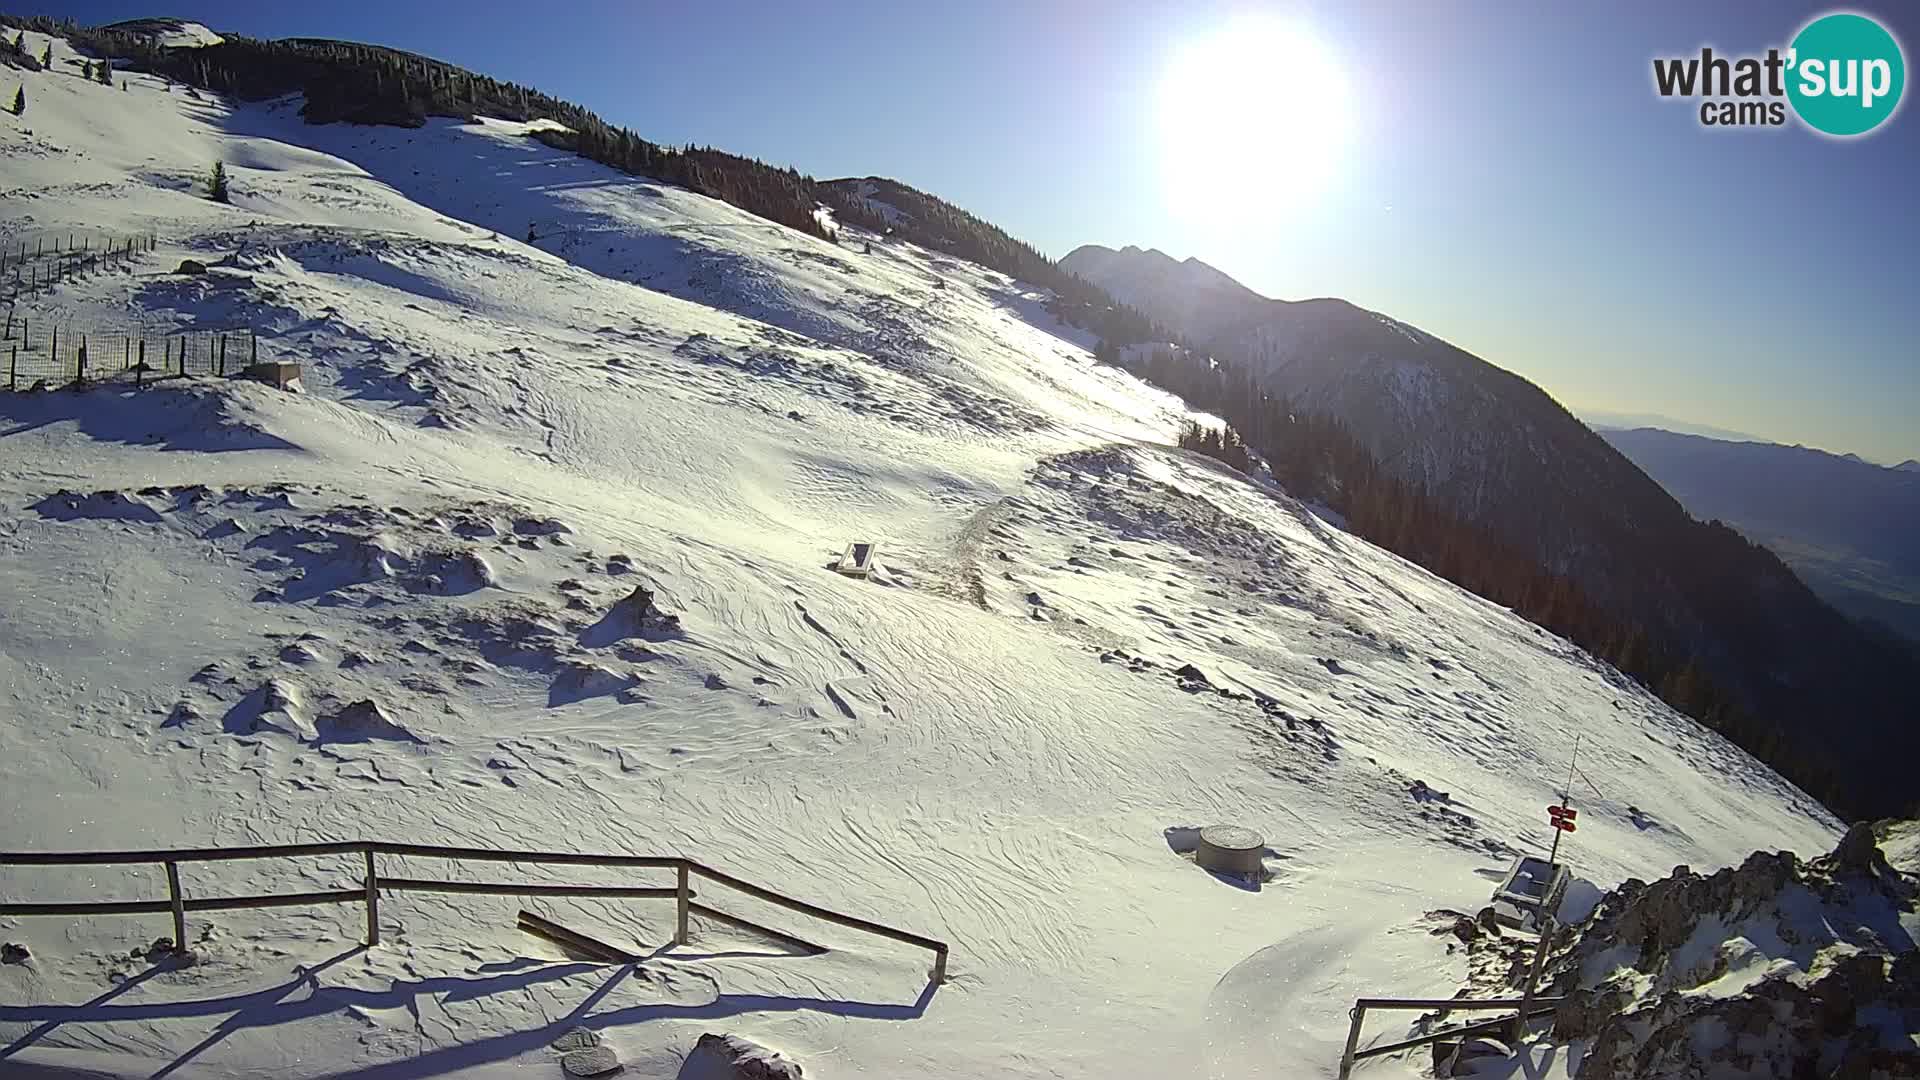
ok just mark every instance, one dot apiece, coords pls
pixel 1532 888
pixel 858 561
pixel 1230 849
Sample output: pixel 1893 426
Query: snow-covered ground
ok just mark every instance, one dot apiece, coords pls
pixel 202 583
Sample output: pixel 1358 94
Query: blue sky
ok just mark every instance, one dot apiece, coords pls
pixel 1508 180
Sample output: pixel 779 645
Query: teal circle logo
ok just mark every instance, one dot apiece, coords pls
pixel 1845 74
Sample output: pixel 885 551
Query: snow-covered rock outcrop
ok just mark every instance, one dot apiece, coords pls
pixel 1776 968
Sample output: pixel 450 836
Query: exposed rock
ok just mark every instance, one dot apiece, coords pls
pixel 14 953
pixel 594 1061
pixel 1859 851
pixel 730 1057
pixel 363 721
pixel 1488 920
pixel 190 266
pixel 579 680
pixel 1830 990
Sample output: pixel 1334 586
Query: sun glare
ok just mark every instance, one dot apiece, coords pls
pixel 1253 120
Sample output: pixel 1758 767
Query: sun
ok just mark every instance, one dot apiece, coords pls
pixel 1254 118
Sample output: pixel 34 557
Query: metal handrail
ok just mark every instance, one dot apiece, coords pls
pixel 368 893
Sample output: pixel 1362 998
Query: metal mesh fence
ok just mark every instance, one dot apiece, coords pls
pixel 59 355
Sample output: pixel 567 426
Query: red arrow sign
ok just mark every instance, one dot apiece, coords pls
pixel 1563 812
pixel 1564 825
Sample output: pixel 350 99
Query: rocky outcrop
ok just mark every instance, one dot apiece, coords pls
pixel 730 1057
pixel 1775 968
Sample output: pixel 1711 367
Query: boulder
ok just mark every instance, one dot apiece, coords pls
pixel 730 1057
pixel 14 953
pixel 1190 673
pixel 593 1061
pixel 191 266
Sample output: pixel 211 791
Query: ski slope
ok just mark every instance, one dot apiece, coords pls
pixel 986 742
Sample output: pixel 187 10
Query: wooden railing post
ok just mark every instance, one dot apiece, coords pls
pixel 1359 1014
pixel 1533 977
pixel 179 903
pixel 940 965
pixel 681 901
pixel 373 901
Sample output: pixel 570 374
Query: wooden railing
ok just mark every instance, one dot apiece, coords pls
pixel 372 884
pixel 1527 1007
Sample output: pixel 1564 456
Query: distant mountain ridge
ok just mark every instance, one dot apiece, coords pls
pixel 1849 527
pixel 1500 453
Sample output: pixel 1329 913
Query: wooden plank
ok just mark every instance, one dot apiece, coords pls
pixel 372 884
pixel 1435 1036
pixel 177 900
pixel 546 928
pixel 739 923
pixel 99 858
pixel 90 907
pixel 1459 1004
pixel 237 903
pixel 850 921
pixel 554 858
pixel 525 889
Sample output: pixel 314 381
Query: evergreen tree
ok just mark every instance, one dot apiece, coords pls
pixel 46 56
pixel 217 183
pixel 86 70
pixel 104 72
pixel 20 101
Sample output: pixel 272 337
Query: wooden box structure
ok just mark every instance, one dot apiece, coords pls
pixel 858 561
pixel 1532 889
pixel 279 374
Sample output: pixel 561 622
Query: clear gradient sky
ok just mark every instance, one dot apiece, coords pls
pixel 1510 180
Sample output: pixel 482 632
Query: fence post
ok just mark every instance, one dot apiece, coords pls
pixel 54 349
pixel 223 354
pixel 13 369
pixel 253 345
pixel 179 903
pixel 126 352
pixel 682 898
pixel 140 368
pixel 373 901
pixel 1359 1014
pixel 1533 976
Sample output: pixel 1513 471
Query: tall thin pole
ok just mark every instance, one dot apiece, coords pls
pixel 1566 796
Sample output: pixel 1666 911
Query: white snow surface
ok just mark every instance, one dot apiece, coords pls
pixel 383 608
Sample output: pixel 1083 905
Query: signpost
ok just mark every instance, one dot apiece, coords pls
pixel 1562 819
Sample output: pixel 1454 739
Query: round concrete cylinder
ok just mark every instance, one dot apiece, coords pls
pixel 1229 849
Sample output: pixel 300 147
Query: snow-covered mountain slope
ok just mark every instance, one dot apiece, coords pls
pixel 389 607
pixel 1496 451
pixel 170 33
